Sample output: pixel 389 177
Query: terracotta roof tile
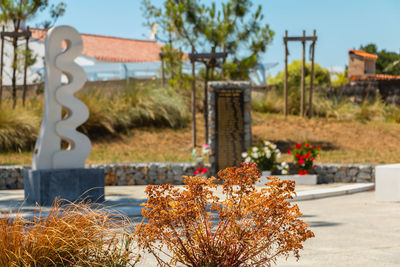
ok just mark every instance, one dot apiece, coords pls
pixel 376 77
pixel 363 54
pixel 114 49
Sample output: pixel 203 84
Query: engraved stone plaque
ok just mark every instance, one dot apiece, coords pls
pixel 229 123
pixel 229 127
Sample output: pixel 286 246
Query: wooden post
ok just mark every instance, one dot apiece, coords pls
pixel 1 66
pixel 162 69
pixel 25 68
pixel 311 77
pixel 303 80
pixel 285 89
pixel 212 63
pixel 193 102
pixel 206 105
pixel 223 61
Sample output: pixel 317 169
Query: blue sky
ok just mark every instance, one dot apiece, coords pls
pixel 341 24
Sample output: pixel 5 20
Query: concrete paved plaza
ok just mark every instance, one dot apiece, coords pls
pixel 350 230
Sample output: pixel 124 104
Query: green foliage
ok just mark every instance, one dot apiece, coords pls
pixel 265 155
pixel 387 63
pixel 321 78
pixel 340 79
pixel 304 156
pixel 321 75
pixel 229 27
pixel 17 12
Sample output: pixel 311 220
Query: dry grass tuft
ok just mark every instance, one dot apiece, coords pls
pixel 71 235
pixel 18 129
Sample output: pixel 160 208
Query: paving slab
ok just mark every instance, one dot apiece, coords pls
pixel 127 199
pixel 350 230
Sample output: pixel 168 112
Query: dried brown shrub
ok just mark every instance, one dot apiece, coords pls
pixel 252 227
pixel 76 234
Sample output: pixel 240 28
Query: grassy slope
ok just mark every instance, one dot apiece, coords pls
pixel 352 142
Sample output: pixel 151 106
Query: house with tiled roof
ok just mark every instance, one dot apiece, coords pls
pixel 362 67
pixel 103 57
pixel 109 49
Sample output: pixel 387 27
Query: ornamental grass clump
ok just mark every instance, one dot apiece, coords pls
pixel 76 234
pixel 249 227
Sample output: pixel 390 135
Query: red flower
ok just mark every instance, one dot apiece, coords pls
pixel 298 146
pixel 297 155
pixel 288 151
pixel 200 171
pixel 308 155
pixel 312 159
pixel 319 147
pixel 301 157
pixel 306 145
pixel 303 172
pixel 301 161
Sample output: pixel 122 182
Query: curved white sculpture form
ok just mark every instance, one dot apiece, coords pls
pixel 48 153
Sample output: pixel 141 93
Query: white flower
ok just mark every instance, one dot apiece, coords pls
pixel 255 149
pixel 284 165
pixel 267 143
pixel 273 146
pixel 247 160
pixel 268 154
pixel 284 171
pixel 244 154
pixel 254 155
pixel 279 155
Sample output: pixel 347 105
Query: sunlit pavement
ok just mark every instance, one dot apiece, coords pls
pixel 350 230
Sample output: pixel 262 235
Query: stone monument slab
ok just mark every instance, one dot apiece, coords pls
pixel 44 186
pixel 229 114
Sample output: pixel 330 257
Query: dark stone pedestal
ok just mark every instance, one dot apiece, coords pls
pixel 44 186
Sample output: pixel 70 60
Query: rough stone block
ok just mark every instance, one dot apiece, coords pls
pixel 45 185
pixel 352 172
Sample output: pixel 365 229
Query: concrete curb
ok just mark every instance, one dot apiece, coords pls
pixel 333 192
pixel 135 210
pixel 301 196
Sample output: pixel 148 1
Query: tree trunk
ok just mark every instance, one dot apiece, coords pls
pixel 15 64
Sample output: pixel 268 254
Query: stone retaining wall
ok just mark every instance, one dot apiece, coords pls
pixel 12 177
pixel 345 173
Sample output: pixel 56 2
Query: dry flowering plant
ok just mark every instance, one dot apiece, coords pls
pixel 266 155
pixel 248 227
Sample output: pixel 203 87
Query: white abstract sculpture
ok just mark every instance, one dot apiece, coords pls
pixel 48 153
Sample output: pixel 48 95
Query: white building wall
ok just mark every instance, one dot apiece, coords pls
pixel 36 71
